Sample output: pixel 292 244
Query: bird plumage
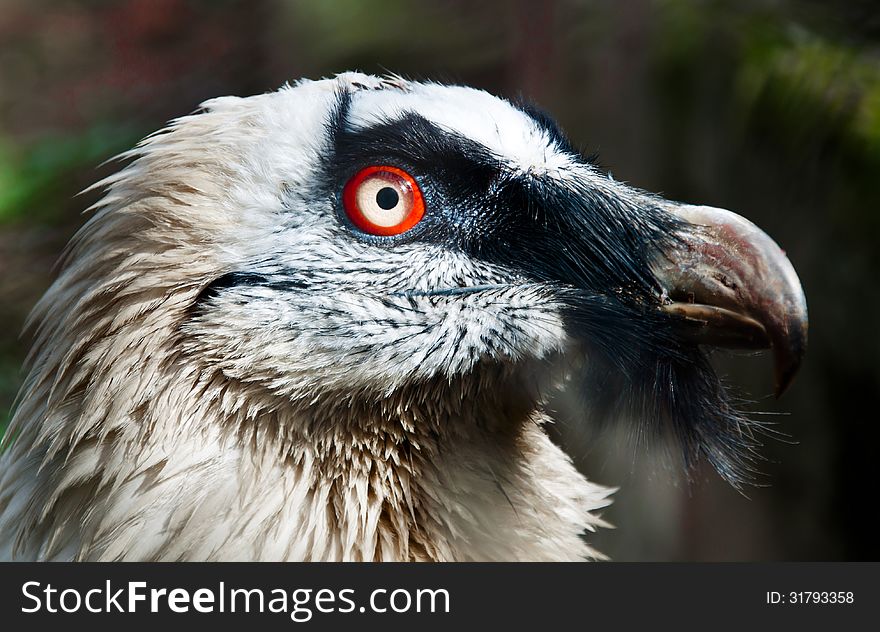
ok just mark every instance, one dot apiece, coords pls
pixel 226 369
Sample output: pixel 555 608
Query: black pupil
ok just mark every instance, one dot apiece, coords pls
pixel 387 198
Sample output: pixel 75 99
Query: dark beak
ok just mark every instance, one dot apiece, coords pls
pixel 731 286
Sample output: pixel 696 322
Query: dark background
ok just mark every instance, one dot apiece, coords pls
pixel 767 107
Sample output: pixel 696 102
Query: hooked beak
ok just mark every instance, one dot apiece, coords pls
pixel 732 286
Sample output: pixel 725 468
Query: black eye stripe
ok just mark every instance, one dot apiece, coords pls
pixel 547 124
pixel 476 204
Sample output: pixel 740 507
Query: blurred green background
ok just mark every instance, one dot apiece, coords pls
pixel 767 107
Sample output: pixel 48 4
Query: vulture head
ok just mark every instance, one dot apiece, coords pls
pixel 325 324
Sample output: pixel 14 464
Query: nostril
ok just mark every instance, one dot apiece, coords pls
pixel 726 281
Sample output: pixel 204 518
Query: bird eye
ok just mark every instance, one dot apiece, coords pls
pixel 383 200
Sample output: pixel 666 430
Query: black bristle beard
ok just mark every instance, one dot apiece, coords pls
pixel 638 368
pixel 638 372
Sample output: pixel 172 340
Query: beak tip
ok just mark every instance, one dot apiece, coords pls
pixel 783 382
pixel 789 356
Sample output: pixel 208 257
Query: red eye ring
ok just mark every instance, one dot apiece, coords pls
pixel 383 200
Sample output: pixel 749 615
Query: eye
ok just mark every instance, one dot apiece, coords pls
pixel 383 200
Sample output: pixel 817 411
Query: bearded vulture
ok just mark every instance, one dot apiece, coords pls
pixel 324 323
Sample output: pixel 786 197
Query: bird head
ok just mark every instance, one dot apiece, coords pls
pixel 359 236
